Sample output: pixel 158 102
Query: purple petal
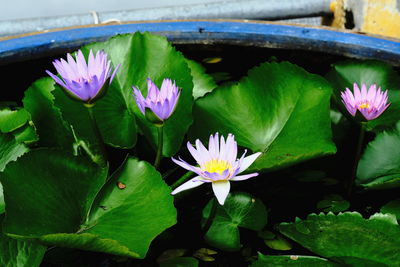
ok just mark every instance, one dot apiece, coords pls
pixel 357 93
pixel 56 79
pixel 194 182
pixel 247 161
pixel 139 99
pixel 115 72
pixel 243 177
pixel 152 90
pixel 221 190
pixel 186 165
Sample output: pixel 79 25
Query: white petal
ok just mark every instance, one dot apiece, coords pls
pixel 247 161
pixel 221 190
pixel 243 177
pixel 194 182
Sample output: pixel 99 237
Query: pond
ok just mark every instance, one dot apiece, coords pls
pixel 319 180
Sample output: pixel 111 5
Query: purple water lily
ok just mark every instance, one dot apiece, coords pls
pixel 371 103
pixel 218 165
pixel 84 81
pixel 161 102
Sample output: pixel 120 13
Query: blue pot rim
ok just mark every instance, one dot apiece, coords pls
pixel 255 33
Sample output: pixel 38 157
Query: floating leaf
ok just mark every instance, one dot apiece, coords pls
pixel 53 131
pixel 291 260
pixel 11 120
pixel 278 109
pixel 392 207
pixel 10 150
pixel 170 254
pixel 142 56
pixel 205 254
pixel 19 253
pixel 26 134
pixel 333 203
pixel 379 166
pixel 349 238
pixel 121 222
pixel 202 82
pixel 239 210
pixel 278 243
pixel 345 74
pixel 2 204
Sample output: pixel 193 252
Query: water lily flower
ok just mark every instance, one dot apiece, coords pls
pixel 371 103
pixel 84 81
pixel 161 103
pixel 218 165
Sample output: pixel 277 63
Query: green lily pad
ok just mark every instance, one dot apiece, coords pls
pixel 379 166
pixel 26 134
pixel 63 211
pixel 142 56
pixel 278 243
pixel 10 149
pixel 239 210
pixel 202 82
pixel 11 120
pixel 19 253
pixel 392 207
pixel 349 238
pixel 51 128
pixel 278 109
pixel 333 203
pixel 291 260
pixel 2 204
pixel 345 74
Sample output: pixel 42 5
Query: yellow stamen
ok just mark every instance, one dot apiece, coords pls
pixel 217 165
pixel 364 105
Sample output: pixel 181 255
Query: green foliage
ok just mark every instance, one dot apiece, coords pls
pixel 52 130
pixel 379 166
pixel 202 83
pixel 142 56
pixel 49 196
pixel 293 260
pixel 181 262
pixel 346 73
pixel 348 238
pixel 10 150
pixel 239 210
pixel 278 109
pixel 19 253
pixel 392 207
pixel 333 203
pixel 11 120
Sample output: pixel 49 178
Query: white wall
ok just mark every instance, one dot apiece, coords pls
pixel 15 9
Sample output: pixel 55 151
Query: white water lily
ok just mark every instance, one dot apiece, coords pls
pixel 218 165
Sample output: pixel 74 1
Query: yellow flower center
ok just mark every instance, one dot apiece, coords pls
pixel 364 105
pixel 217 165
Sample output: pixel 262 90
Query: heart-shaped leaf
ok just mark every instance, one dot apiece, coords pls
pixel 349 238
pixel 142 56
pixel 52 203
pixel 239 210
pixel 379 166
pixel 278 109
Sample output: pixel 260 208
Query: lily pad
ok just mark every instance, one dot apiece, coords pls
pixel 19 253
pixel 392 207
pixel 379 166
pixel 202 82
pixel 345 74
pixel 291 260
pixel 11 120
pixel 239 210
pixel 278 109
pixel 51 128
pixel 142 56
pixel 348 238
pixel 121 220
pixel 333 203
pixel 10 149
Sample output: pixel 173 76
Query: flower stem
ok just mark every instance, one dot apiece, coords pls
pixel 100 158
pixel 181 180
pixel 356 159
pixel 211 216
pixel 160 147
